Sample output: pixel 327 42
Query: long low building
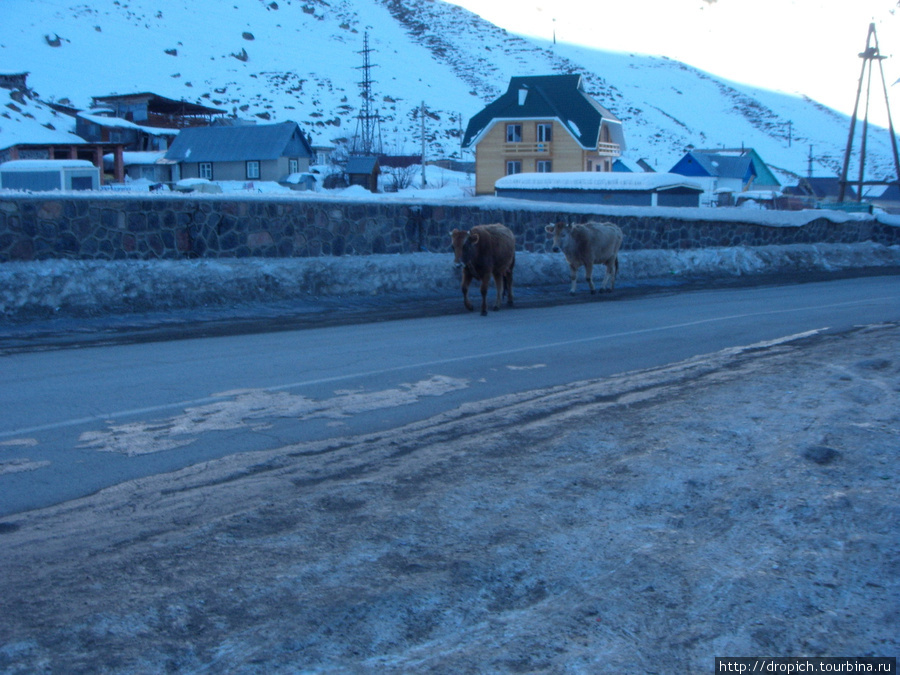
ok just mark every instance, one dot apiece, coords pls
pixel 610 188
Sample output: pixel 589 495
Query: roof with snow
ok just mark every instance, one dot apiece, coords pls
pixel 596 180
pixel 764 175
pixel 240 143
pixel 159 104
pixel 560 97
pixel 120 123
pixel 27 121
pixel 26 165
pixel 744 163
pixel 718 166
pixel 133 158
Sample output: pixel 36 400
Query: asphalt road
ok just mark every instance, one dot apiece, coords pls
pixel 76 420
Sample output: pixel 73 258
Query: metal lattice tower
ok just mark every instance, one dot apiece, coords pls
pixel 367 140
pixel 870 55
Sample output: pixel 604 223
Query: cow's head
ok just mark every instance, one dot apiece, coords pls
pixel 457 240
pixel 559 231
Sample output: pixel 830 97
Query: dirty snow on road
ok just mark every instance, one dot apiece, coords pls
pixel 740 503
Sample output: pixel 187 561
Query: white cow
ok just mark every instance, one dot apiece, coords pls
pixel 588 245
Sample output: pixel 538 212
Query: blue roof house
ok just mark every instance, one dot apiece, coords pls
pixel 726 171
pixel 250 152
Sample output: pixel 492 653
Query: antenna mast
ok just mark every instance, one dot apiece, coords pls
pixel 368 123
pixel 871 54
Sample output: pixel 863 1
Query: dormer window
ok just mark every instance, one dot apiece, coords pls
pixel 523 94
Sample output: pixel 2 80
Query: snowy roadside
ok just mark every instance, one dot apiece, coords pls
pixel 740 502
pixel 69 288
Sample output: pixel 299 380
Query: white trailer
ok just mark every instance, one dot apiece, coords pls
pixel 42 175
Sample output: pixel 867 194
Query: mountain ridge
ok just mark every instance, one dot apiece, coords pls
pixel 301 60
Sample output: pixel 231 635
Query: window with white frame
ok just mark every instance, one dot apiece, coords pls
pixel 513 166
pixel 293 166
pixel 544 133
pixel 513 133
pixel 544 166
pixel 252 169
pixel 204 170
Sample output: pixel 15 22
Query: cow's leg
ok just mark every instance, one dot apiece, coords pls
pixel 610 279
pixel 498 284
pixel 466 280
pixel 573 274
pixel 507 279
pixel 605 276
pixel 589 275
pixel 485 282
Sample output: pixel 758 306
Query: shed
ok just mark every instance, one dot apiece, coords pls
pixel 300 181
pixel 821 189
pixel 42 175
pixel 609 188
pixel 364 171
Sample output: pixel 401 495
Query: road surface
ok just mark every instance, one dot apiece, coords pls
pixel 74 421
pixel 545 490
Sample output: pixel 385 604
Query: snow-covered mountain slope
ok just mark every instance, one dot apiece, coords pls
pixel 275 60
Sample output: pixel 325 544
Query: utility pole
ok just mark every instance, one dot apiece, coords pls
pixel 872 53
pixel 422 115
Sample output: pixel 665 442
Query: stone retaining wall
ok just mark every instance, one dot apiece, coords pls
pixel 34 227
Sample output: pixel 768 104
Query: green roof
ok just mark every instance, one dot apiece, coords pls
pixel 560 97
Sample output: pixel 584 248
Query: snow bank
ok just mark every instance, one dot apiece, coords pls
pixel 597 180
pixel 26 165
pixel 80 288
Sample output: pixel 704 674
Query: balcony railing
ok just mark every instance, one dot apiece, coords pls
pixel 603 149
pixel 527 148
pixel 609 149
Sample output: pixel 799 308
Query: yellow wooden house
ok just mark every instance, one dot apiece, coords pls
pixel 544 123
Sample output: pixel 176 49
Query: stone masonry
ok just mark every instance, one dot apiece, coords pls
pixel 37 227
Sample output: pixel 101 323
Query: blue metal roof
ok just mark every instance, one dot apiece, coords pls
pixel 717 166
pixel 239 143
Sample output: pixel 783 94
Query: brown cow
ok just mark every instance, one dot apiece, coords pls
pixel 587 245
pixel 485 251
